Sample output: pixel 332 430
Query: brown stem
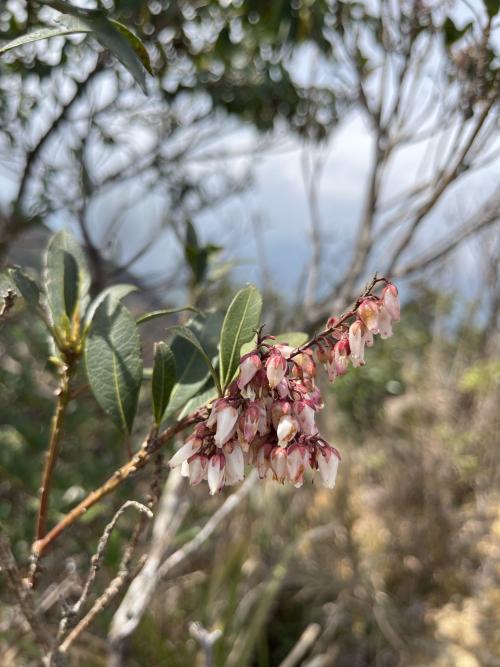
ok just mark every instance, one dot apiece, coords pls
pixel 63 397
pixel 150 446
pixel 343 318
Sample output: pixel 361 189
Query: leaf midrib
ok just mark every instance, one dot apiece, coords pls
pixel 223 380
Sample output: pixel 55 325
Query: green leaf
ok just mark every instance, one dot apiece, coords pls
pixel 122 47
pixel 68 25
pixel 26 287
pixel 116 37
pixel 135 43
pixel 164 373
pixel 67 280
pixel 161 313
pixel 492 7
pixel 118 292
pixel 190 336
pixel 192 373
pixel 452 33
pixel 293 338
pixel 113 361
pixel 241 321
pixel 197 401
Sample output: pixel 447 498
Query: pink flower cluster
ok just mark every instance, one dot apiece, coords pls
pixel 267 417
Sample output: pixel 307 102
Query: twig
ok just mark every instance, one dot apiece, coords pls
pixel 206 640
pixel 34 153
pixel 168 519
pixel 101 603
pixel 96 560
pixel 149 447
pixel 306 641
pixel 343 318
pixel 21 590
pixel 209 528
pixel 123 626
pixel 9 299
pixel 63 395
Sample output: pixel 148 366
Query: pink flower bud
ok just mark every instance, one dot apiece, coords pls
pixel 197 468
pixel 316 398
pixel 328 463
pixel 285 350
pixel 368 312
pixel 357 343
pixel 227 416
pixel 263 427
pixel 278 463
pixel 306 414
pixel 322 354
pixel 276 368
pixel 186 451
pixel 368 338
pixel 283 389
pixel 216 473
pixel 278 409
pixel 297 459
pixel 390 298
pixel 249 365
pixel 287 429
pixel 306 363
pixel 235 464
pixel 341 356
pixel 384 323
pixel 251 417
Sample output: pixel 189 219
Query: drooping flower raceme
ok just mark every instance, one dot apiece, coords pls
pixel 267 417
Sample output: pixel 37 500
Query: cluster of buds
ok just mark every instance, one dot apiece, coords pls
pixel 267 418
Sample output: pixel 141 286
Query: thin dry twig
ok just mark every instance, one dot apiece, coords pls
pixel 306 641
pixel 95 563
pixel 122 626
pixel 171 512
pixel 21 591
pixel 206 641
pixel 150 446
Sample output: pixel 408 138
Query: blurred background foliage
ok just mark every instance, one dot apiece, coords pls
pixel 400 565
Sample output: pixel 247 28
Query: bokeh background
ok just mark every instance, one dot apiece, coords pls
pixel 301 146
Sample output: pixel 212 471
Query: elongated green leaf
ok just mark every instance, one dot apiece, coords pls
pixel 166 311
pixel 197 401
pixel 293 338
pixel 192 372
pixel 113 361
pixel 241 321
pixel 118 292
pixel 190 336
pixel 68 25
pixel 135 43
pixel 115 36
pixel 26 286
pixel 164 372
pixel 67 279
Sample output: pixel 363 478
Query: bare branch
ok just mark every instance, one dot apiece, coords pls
pixel 206 640
pixel 20 589
pixel 169 517
pixel 306 641
pixel 488 215
pixel 122 627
